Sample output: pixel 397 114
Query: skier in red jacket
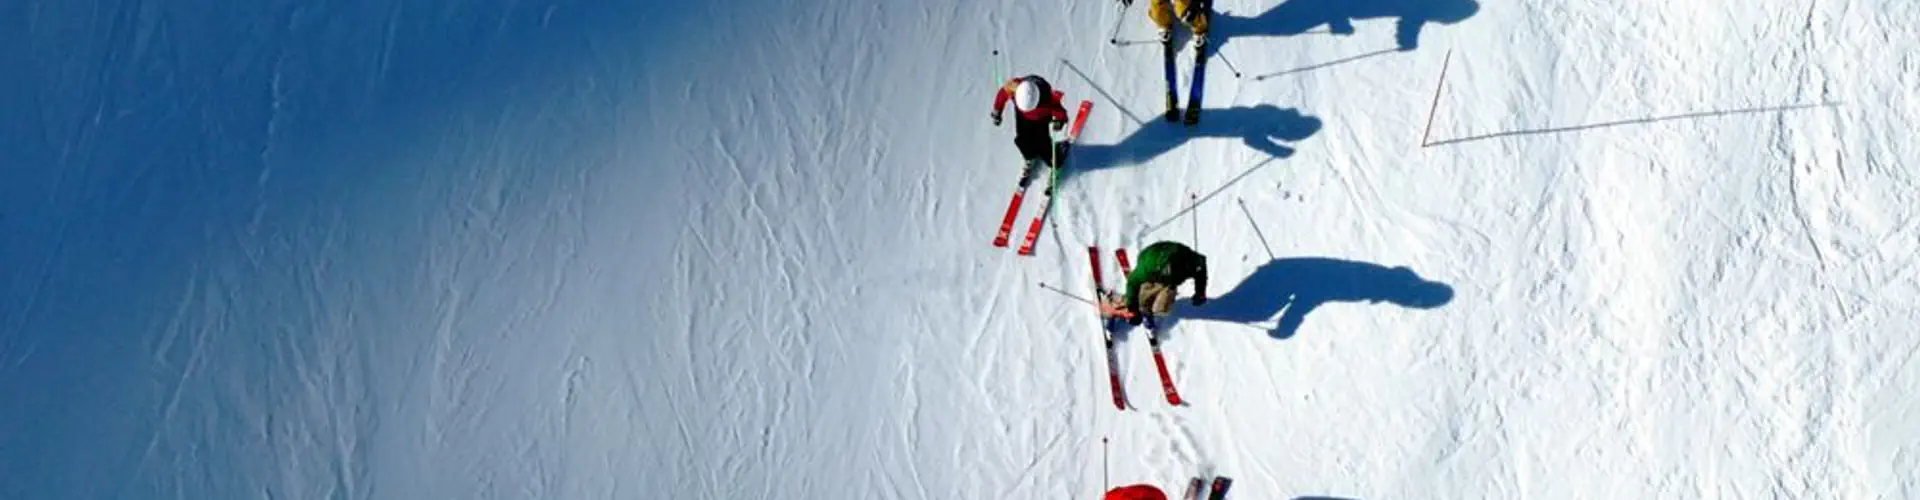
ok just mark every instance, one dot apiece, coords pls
pixel 1038 110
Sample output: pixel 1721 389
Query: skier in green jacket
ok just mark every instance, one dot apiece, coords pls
pixel 1151 286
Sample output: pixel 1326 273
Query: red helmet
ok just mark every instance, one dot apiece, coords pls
pixel 1136 492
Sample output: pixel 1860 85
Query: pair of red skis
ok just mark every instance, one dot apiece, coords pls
pixel 1046 206
pixel 1108 325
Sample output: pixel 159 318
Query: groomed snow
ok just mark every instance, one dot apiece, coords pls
pixel 731 250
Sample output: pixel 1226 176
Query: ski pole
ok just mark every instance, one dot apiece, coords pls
pixel 1067 294
pixel 1000 65
pixel 1113 35
pixel 1105 481
pixel 1193 220
pixel 1436 99
pixel 1256 229
pixel 1230 67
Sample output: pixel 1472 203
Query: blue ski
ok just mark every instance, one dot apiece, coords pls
pixel 1219 490
pixel 1199 82
pixel 1173 99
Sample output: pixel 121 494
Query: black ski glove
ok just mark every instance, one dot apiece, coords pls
pixel 1126 3
pixel 996 118
pixel 1057 125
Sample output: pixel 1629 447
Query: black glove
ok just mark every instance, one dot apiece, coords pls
pixel 1057 125
pixel 1126 3
pixel 1199 300
pixel 996 118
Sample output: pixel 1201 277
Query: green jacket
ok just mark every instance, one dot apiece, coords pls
pixel 1167 263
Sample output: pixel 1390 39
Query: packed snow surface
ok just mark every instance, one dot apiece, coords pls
pixel 739 250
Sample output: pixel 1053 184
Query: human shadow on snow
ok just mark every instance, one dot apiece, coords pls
pixel 1293 287
pixel 1265 127
pixel 1295 17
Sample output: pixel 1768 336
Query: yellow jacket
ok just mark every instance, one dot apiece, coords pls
pixel 1193 13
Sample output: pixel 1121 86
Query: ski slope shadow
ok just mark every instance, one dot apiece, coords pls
pixel 1293 287
pixel 1294 17
pixel 1265 127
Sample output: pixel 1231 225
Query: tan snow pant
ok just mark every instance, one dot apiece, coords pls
pixel 1164 14
pixel 1156 298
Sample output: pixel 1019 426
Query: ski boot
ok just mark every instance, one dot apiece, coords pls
pixel 1036 165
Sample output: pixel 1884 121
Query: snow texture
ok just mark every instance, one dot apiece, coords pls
pixel 738 250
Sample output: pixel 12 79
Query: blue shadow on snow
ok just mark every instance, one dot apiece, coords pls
pixel 172 136
pixel 1266 128
pixel 1295 17
pixel 1293 287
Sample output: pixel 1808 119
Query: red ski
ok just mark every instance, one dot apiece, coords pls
pixel 1194 489
pixel 1153 339
pixel 1106 328
pixel 1046 206
pixel 1006 223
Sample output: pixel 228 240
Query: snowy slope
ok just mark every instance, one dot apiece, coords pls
pixel 739 250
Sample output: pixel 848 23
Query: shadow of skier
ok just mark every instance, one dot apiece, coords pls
pixel 1295 17
pixel 1294 286
pixel 1264 127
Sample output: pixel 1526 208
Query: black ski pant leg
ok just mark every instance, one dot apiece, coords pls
pixel 1035 147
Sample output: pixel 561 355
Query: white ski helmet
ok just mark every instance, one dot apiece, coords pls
pixel 1026 96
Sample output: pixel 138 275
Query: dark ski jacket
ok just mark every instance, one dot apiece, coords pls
pixel 1167 263
pixel 1030 128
